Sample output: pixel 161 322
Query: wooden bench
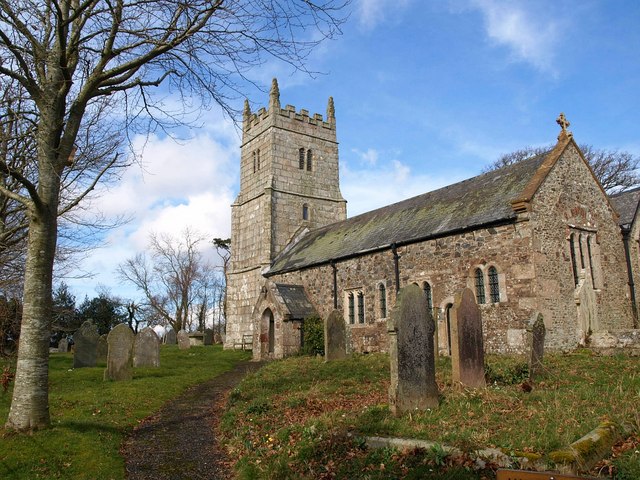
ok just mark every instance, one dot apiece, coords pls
pixel 245 344
pixel 506 474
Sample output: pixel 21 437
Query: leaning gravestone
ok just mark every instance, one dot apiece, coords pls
pixel 411 351
pixel 146 349
pixel 86 345
pixel 170 337
pixel 335 337
pixel 103 348
pixel 184 342
pixel 120 356
pixel 63 345
pixel 538 332
pixel 467 344
pixel 208 336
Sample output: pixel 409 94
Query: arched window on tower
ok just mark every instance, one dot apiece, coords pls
pixel 479 280
pixel 305 212
pixel 382 292
pixel 309 160
pixel 494 285
pixel 301 159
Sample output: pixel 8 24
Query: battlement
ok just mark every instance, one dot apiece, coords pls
pixel 258 119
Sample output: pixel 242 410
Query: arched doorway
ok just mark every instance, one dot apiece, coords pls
pixel 269 324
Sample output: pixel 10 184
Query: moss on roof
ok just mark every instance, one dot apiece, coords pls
pixel 480 200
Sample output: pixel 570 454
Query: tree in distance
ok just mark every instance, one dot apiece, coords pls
pixel 615 170
pixel 94 64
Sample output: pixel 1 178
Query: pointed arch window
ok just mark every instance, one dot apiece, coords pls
pixel 309 160
pixel 479 280
pixel 426 288
pixel 301 159
pixel 382 292
pixel 351 312
pixel 494 285
pixel 360 307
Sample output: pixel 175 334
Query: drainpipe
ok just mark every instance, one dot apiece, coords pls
pixel 626 238
pixel 396 266
pixel 335 284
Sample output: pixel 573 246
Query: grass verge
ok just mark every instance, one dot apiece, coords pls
pixel 303 418
pixel 91 417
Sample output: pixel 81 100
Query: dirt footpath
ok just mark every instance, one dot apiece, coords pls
pixel 178 442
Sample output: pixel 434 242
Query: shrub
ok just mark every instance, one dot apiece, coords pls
pixel 313 335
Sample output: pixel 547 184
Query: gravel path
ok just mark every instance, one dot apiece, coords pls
pixel 178 442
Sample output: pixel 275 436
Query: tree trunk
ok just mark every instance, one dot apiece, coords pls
pixel 30 402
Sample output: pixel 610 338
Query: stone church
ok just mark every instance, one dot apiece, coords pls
pixel 537 236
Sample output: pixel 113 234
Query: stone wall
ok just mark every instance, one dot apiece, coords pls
pixel 570 201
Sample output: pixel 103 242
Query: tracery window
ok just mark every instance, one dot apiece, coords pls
pixel 351 308
pixel 360 307
pixel 382 292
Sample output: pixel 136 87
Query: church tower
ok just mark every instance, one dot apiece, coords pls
pixel 288 182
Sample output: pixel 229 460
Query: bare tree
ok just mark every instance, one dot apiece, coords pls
pixel 223 248
pixel 79 59
pixel 174 279
pixel 615 170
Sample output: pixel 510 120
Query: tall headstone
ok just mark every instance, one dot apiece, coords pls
pixel 184 342
pixel 146 349
pixel 120 356
pixel 538 332
pixel 411 351
pixel 335 337
pixel 63 345
pixel 170 337
pixel 467 344
pixel 208 336
pixel 103 348
pixel 86 345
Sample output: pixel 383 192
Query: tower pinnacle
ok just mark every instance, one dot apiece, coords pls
pixel 331 111
pixel 274 96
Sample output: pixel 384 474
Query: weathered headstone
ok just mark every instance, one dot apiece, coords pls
pixel 217 338
pixel 208 336
pixel 467 344
pixel 146 349
pixel 538 332
pixel 63 345
pixel 170 337
pixel 103 348
pixel 335 337
pixel 120 356
pixel 183 340
pixel 86 345
pixel 411 328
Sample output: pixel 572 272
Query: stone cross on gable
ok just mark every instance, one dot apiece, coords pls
pixel 564 123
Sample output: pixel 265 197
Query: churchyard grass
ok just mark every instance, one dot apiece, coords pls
pixel 91 417
pixel 303 418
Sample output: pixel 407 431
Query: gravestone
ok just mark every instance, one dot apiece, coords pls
pixel 103 348
pixel 537 334
pixel 183 340
pixel 208 336
pixel 411 351
pixel 120 356
pixel 217 338
pixel 146 349
pixel 170 337
pixel 63 345
pixel 335 337
pixel 467 344
pixel 86 345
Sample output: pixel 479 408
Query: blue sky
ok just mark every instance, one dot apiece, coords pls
pixel 426 93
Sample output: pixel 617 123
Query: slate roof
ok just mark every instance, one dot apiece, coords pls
pixel 296 301
pixel 626 204
pixel 478 201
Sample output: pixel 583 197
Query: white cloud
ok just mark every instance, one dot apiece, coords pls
pixel 370 157
pixel 371 13
pixel 519 26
